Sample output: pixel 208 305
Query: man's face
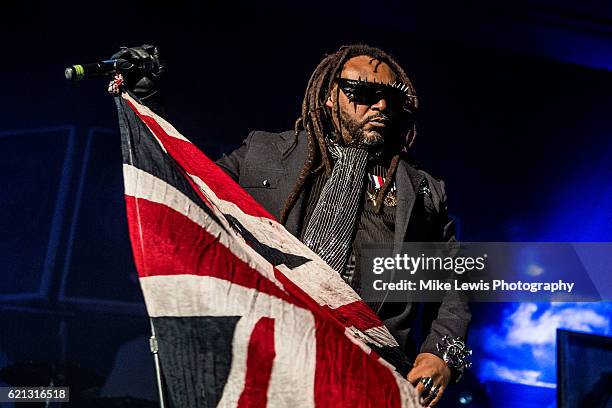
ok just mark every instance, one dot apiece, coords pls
pixel 367 124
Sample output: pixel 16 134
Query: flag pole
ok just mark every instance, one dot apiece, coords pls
pixel 155 352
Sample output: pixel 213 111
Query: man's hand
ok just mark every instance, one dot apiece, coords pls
pixel 140 68
pixel 429 365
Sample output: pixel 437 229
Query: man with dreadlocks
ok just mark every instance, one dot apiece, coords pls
pixel 341 179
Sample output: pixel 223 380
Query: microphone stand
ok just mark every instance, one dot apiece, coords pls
pixel 155 352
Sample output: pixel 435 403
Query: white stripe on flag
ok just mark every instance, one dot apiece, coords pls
pixel 143 110
pixel 234 385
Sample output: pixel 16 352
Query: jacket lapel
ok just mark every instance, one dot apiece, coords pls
pixel 293 152
pixel 407 179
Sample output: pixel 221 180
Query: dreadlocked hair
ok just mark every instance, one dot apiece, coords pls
pixel 317 119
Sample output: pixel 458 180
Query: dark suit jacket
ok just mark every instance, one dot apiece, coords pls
pixel 267 166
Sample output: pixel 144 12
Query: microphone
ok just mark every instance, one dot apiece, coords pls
pixel 94 69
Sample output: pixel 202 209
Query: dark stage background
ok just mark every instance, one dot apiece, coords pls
pixel 516 111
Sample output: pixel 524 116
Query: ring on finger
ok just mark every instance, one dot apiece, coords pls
pixel 429 395
pixel 427 383
pixel 434 391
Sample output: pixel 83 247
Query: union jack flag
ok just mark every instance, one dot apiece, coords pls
pixel 245 314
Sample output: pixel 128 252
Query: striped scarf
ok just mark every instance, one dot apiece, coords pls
pixel 330 228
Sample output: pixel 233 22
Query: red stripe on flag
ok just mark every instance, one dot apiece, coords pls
pixel 348 377
pixel 166 242
pixel 357 314
pixel 260 359
pixel 190 158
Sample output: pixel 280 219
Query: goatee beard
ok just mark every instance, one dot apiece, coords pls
pixel 358 137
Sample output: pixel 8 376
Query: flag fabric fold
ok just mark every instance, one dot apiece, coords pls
pixel 245 314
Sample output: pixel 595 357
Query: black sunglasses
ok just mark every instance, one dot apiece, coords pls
pixel 397 95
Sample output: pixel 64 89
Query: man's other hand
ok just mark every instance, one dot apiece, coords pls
pixel 141 69
pixel 429 365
